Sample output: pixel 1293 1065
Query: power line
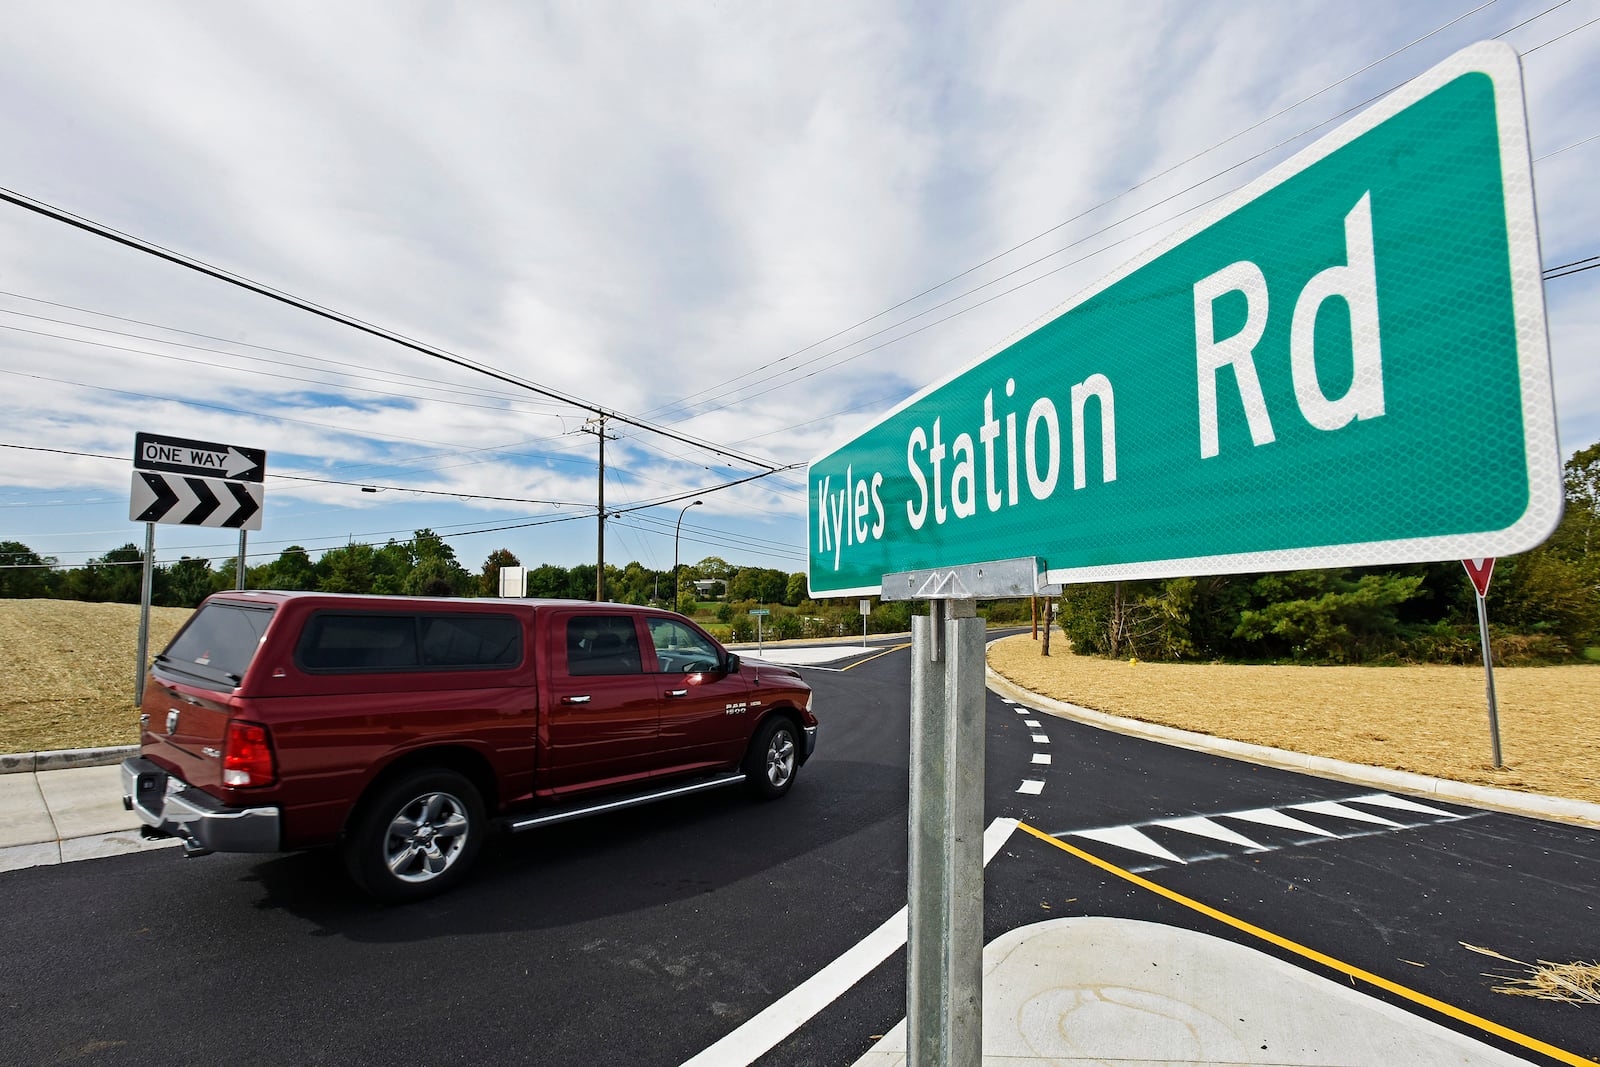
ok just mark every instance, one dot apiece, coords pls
pixel 679 404
pixel 1559 37
pixel 974 290
pixel 49 211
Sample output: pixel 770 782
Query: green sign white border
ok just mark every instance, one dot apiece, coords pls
pixel 1501 63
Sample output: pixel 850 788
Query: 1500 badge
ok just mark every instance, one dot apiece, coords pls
pixel 736 709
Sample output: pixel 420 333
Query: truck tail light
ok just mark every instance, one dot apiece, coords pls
pixel 247 756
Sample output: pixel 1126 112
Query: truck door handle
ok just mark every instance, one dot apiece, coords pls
pixel 677 692
pixel 575 700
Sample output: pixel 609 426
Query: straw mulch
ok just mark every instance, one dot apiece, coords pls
pixel 1430 720
pixel 71 671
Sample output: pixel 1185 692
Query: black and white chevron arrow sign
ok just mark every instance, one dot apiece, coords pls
pixel 191 501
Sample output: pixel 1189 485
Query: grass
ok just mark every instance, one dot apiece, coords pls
pixel 1426 719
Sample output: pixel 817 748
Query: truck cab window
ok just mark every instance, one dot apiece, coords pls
pixel 603 644
pixel 681 649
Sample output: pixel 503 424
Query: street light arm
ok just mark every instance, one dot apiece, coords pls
pixel 677 531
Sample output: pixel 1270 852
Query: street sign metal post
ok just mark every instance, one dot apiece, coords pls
pixel 761 617
pixel 1299 379
pixel 184 482
pixel 1480 571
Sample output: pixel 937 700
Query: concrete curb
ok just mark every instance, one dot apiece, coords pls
pixel 29 762
pixel 1533 805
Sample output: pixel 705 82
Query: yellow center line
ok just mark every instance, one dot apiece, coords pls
pixel 880 655
pixel 1327 961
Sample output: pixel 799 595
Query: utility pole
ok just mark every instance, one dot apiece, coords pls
pixel 597 426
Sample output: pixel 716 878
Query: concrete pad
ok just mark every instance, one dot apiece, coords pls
pixel 1120 991
pixel 27 819
pixel 86 801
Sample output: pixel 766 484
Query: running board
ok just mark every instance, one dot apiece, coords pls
pixel 517 824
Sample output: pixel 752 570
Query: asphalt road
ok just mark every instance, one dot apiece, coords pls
pixel 646 936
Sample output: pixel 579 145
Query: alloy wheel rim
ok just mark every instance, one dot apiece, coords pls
pixel 426 837
pixel 780 758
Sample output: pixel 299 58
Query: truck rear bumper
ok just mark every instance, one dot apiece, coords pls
pixel 171 807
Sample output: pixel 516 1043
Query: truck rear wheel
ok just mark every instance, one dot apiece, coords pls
pixel 773 759
pixel 416 836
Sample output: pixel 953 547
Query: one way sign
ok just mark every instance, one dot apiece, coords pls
pixel 179 455
pixel 190 501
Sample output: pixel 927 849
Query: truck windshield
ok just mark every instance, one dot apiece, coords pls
pixel 217 645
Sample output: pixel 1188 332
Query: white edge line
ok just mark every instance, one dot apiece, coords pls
pixel 763 1031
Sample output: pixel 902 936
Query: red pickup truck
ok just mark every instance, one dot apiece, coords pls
pixel 399 729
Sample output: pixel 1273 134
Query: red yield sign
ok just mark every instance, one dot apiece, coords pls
pixel 1480 571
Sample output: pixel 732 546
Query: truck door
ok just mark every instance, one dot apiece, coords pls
pixel 602 724
pixel 706 711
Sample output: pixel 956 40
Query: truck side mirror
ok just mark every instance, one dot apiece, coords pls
pixel 732 665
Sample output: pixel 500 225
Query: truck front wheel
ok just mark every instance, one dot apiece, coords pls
pixel 773 759
pixel 417 836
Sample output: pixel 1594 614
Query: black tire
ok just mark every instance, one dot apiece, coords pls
pixel 774 758
pixel 416 835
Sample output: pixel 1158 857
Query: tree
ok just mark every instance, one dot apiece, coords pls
pixel 292 569
pixel 1336 619
pixel 635 584
pixel 23 572
pixel 798 589
pixel 188 582
pixel 759 584
pixel 346 570
pixel 122 574
pixel 714 567
pixel 549 580
pixel 433 576
pixel 391 567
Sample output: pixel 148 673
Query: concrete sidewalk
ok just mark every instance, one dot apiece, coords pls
pixel 1125 993
pixel 60 816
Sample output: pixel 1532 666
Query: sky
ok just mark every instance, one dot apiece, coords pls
pixel 755 226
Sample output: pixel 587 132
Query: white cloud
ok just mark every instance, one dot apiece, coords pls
pixel 632 204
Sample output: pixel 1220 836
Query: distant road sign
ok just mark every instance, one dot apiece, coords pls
pixel 179 455
pixel 1298 379
pixel 760 611
pixel 1480 571
pixel 185 501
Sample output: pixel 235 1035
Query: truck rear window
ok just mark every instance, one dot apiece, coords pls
pixel 401 641
pixel 218 644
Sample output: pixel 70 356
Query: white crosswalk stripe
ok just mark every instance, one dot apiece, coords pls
pixel 1343 820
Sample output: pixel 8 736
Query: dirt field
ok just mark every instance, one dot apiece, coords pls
pixel 1429 720
pixel 69 677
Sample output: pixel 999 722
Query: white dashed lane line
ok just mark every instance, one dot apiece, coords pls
pixel 1032 787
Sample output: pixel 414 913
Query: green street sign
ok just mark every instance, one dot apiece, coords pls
pixel 1343 364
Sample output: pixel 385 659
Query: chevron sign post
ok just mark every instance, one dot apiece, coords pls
pixel 181 482
pixel 196 483
pixel 187 501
